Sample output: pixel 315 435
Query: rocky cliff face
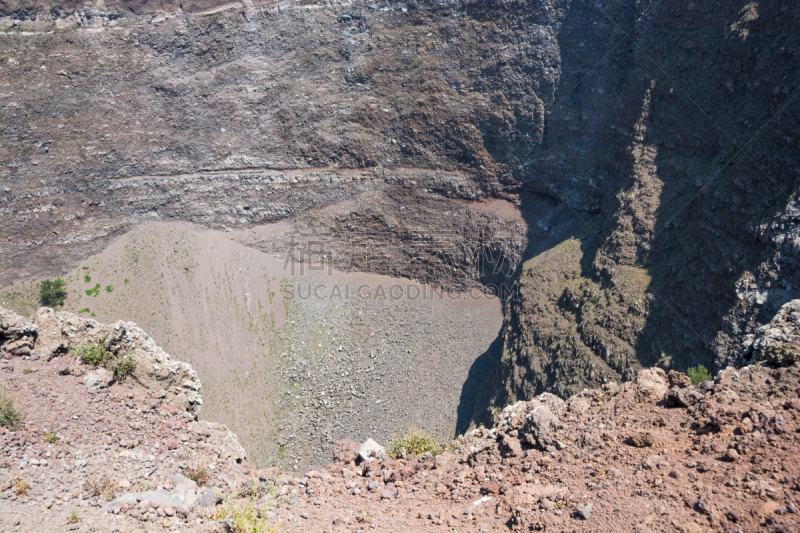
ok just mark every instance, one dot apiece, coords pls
pixel 53 334
pixel 686 112
pixel 665 131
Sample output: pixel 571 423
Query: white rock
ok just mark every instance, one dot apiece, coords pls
pixel 371 450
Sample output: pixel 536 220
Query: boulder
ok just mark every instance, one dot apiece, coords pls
pixel 541 427
pixel 679 379
pixel 17 334
pixel 779 341
pixel 50 340
pixel 182 496
pixel 649 387
pixel 370 451
pixel 641 440
pixel 220 437
pixel 346 451
pixel 685 397
pixel 100 378
pixel 535 422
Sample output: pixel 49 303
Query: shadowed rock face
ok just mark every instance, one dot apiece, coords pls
pixel 664 130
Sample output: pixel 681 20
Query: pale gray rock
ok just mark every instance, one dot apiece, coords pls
pixel 584 511
pixel 779 341
pixel 183 496
pixel 371 450
pixel 209 499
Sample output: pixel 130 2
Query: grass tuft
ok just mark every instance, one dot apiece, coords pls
pixel 197 472
pixel 417 442
pixel 21 486
pixel 10 415
pixel 245 518
pixel 101 487
pixel 98 354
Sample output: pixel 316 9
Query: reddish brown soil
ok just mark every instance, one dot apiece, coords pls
pixel 725 464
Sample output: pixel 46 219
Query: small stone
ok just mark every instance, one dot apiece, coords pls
pixel 222 526
pixel 389 493
pixel 641 440
pixel 168 510
pixel 304 515
pixel 93 381
pixel 584 511
pixel 706 386
pixel 209 499
pixel 340 520
pixel 731 455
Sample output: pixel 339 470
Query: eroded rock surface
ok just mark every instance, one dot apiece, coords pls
pixel 62 331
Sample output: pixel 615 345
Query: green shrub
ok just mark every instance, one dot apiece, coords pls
pixel 415 441
pixel 123 367
pixel 98 354
pixel 109 288
pixel 95 353
pixel 699 374
pixel 93 292
pixel 10 415
pixel 52 293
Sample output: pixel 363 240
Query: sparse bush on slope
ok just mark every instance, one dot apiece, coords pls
pixel 10 415
pixel 98 354
pixel 52 293
pixel 415 441
pixel 699 374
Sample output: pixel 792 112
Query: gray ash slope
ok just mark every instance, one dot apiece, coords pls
pixel 385 356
